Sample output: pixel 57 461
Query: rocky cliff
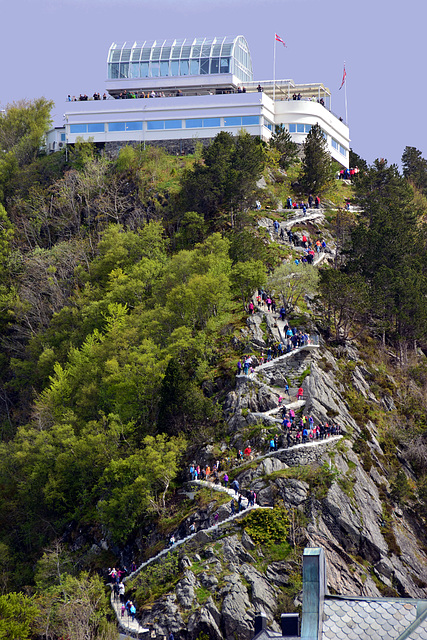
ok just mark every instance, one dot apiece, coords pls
pixel 336 492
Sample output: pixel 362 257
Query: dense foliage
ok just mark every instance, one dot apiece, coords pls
pixel 124 284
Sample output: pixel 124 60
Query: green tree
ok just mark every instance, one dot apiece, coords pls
pixel 316 172
pixel 346 300
pixel 22 129
pixel 415 168
pixel 225 180
pixel 288 149
pixel 192 230
pixel 388 249
pixel 292 282
pixel 247 277
pixel 357 161
pixel 18 614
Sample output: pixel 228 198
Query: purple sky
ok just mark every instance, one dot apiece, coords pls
pixel 54 47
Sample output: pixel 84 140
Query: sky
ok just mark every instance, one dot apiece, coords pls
pixel 53 48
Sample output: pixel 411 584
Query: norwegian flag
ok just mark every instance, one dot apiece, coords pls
pixel 279 39
pixel 344 75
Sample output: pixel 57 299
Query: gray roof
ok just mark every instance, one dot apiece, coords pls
pixel 374 619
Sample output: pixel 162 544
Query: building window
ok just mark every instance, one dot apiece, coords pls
pixel 116 126
pixel 154 70
pixel 292 128
pixel 248 120
pixel 174 68
pixel 96 127
pixel 164 69
pixel 133 126
pixel 215 65
pixel 343 151
pixel 184 68
pixel 225 65
pixel 124 69
pixel 78 128
pixel 62 137
pixel 113 71
pixel 134 70
pixel 300 128
pixel 144 69
pixel 194 123
pixel 173 124
pixel 268 124
pixel 334 143
pixel 307 128
pixel 194 67
pixel 211 122
pixel 153 125
pixel 204 66
pixel 233 121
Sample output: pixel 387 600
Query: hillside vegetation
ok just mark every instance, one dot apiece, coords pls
pixel 125 286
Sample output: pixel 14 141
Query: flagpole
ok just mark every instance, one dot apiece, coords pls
pixel 274 69
pixel 345 97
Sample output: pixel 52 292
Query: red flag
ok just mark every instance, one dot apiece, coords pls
pixel 344 75
pixel 279 39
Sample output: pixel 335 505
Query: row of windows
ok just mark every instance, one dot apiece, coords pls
pixel 299 128
pixel 153 125
pixel 194 67
pixel 167 52
pixel 336 145
pixel 305 128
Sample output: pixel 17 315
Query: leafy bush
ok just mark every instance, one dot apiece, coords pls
pixel 268 526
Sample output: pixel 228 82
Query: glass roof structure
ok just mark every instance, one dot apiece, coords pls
pixel 172 58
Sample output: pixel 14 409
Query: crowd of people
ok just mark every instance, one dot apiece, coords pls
pixel 347 174
pixel 126 606
pixel 291 204
pixel 300 431
pixel 83 97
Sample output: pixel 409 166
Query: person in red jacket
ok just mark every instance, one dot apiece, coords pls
pixel 300 393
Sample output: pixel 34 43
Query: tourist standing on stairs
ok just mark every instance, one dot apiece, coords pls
pixel 300 393
pixel 122 592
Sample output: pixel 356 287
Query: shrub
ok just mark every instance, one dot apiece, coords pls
pixel 268 526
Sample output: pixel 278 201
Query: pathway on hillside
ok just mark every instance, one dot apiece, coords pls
pixel 126 622
pixel 133 627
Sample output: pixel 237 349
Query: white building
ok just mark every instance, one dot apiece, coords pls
pixel 175 92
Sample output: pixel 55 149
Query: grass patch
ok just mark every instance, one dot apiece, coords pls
pixel 202 595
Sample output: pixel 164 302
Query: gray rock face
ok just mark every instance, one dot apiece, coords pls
pixel 293 492
pixel 164 616
pixel 234 552
pixel 253 322
pixel 278 573
pixel 236 612
pixel 263 595
pixel 323 398
pixel 208 580
pixel 185 590
pixel 205 621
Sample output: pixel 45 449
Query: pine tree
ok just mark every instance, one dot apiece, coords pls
pixel 282 141
pixel 415 168
pixel 317 164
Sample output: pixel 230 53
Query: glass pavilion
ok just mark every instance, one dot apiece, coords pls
pixel 181 58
